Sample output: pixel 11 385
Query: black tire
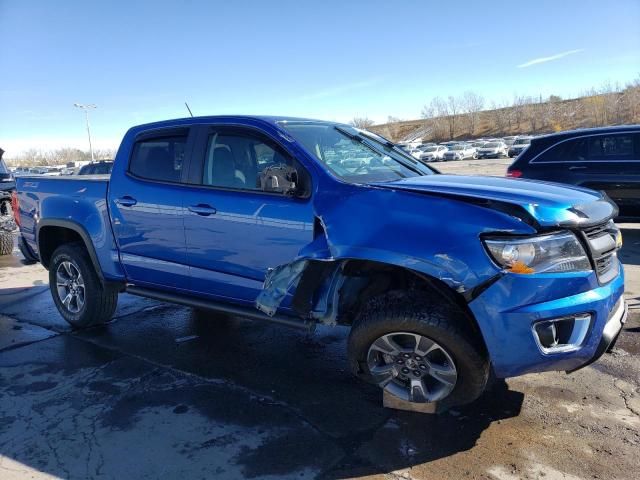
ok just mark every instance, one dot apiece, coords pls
pixel 431 317
pixel 6 243
pixel 99 301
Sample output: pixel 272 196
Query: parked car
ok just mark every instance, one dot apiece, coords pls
pixel 460 151
pixel 7 182
pixel 442 279
pixel 20 171
pixel 518 146
pixel 101 167
pixel 605 159
pixel 52 171
pixel 493 150
pixel 433 153
pixel 7 186
pixel 509 140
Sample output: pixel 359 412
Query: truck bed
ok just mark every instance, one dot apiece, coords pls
pixel 77 202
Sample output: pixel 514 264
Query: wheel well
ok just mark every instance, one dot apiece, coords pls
pixel 367 279
pixel 51 237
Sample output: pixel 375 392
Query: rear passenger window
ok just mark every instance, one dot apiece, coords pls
pixel 159 159
pixel 611 147
pixel 237 160
pixel 570 151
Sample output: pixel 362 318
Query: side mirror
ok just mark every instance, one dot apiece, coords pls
pixel 280 179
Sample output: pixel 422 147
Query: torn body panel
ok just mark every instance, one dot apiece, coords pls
pixel 408 230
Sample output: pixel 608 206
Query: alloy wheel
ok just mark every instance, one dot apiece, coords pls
pixel 70 286
pixel 412 367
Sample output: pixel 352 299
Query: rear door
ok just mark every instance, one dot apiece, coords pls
pixel 608 162
pixel 146 204
pixel 614 166
pixel 235 230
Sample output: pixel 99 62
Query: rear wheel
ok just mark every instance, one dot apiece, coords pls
pixel 415 349
pixel 80 297
pixel 7 225
pixel 6 242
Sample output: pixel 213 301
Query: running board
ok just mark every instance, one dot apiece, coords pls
pixel 219 307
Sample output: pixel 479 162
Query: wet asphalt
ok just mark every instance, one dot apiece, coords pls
pixel 165 392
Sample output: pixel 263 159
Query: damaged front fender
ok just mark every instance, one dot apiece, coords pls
pixel 431 236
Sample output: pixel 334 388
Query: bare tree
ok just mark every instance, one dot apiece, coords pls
pixel 453 107
pixel 34 157
pixel 362 122
pixel 518 110
pixel 472 104
pixel 531 113
pixel 392 128
pixel 501 117
pixel 631 100
pixel 435 115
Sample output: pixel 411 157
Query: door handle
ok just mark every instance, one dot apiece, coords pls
pixel 577 168
pixel 202 209
pixel 126 201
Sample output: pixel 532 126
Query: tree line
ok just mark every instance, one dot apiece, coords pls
pixel 61 156
pixel 467 115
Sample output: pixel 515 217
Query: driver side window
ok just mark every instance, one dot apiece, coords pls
pixel 242 161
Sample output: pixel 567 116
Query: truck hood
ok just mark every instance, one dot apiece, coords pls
pixel 547 204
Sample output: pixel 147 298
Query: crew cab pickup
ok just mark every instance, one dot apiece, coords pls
pixel 442 279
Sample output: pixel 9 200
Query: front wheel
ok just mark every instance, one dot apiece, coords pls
pixel 80 297
pixel 415 349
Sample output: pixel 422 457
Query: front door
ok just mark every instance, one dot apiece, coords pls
pixel 235 230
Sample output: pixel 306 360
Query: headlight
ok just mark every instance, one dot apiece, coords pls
pixel 560 252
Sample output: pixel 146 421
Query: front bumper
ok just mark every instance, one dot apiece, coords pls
pixel 507 311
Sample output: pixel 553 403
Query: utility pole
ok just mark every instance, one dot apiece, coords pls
pixel 86 108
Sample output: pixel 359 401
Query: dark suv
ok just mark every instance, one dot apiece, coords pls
pixel 598 158
pixel 6 179
pixel 101 167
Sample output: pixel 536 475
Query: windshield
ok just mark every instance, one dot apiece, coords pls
pixel 492 145
pixel 431 149
pixel 355 155
pixel 457 147
pixel 522 141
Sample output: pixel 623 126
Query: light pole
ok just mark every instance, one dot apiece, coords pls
pixel 86 114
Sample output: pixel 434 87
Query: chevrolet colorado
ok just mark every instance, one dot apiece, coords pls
pixel 442 279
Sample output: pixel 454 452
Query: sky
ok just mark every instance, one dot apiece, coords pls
pixel 139 61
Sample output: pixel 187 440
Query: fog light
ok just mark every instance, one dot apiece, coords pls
pixel 561 335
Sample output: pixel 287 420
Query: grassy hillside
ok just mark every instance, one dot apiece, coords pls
pixel 548 116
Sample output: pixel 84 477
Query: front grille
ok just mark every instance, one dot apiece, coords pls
pixel 592 232
pixel 601 240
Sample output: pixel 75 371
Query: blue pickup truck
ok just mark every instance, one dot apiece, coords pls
pixel 443 280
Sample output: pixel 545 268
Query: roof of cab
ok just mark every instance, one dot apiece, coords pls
pixel 271 119
pixel 590 131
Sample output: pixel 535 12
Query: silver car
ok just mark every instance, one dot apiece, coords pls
pixel 493 150
pixel 433 153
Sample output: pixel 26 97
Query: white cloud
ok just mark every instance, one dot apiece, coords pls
pixel 557 56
